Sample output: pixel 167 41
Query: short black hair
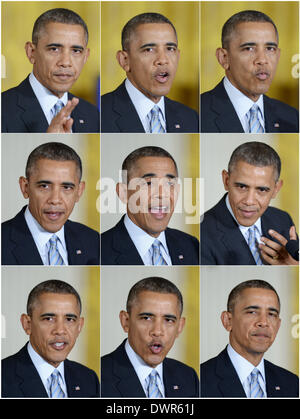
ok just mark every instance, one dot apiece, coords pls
pixel 252 283
pixel 58 15
pixel 53 151
pixel 153 284
pixel 141 19
pixel 241 17
pixel 257 154
pixel 147 151
pixel 51 286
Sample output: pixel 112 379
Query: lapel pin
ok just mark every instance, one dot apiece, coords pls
pixel 177 126
pixel 276 125
pixel 77 388
pixel 175 387
pixel 180 257
pixel 78 252
pixel 277 388
pixel 81 121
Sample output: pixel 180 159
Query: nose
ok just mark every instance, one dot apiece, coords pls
pixel 263 320
pixel 261 56
pixel 250 197
pixel 59 326
pixel 55 196
pixel 157 328
pixel 161 57
pixel 65 58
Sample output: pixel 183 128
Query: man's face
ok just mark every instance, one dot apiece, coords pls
pixel 250 190
pixel 59 56
pixel 152 193
pixel 153 325
pixel 152 59
pixel 254 323
pixel 54 326
pixel 252 58
pixel 53 188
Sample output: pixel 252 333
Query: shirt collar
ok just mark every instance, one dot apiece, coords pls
pixel 143 104
pixel 241 103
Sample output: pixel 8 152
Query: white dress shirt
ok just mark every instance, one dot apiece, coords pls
pixel 242 105
pixel 143 106
pixel 144 241
pixel 46 99
pixel 143 370
pixel 243 229
pixel 45 370
pixel 41 238
pixel 244 368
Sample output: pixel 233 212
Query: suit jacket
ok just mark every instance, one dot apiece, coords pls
pixel 18 246
pixel 117 248
pixel 20 378
pixel 222 243
pixel 119 379
pixel 219 378
pixel 21 112
pixel 118 114
pixel 218 114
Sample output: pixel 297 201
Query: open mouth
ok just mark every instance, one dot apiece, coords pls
pixel 262 75
pixel 53 215
pixel 156 348
pixel 58 346
pixel 159 211
pixel 162 77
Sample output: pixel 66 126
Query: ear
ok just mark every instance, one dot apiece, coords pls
pixel 123 60
pixel 222 57
pixel 226 320
pixel 30 50
pixel 81 323
pixel 26 323
pixel 124 320
pixel 87 54
pixel 81 189
pixel 121 190
pixel 23 182
pixel 225 178
pixel 181 325
pixel 278 186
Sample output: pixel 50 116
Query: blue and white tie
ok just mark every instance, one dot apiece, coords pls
pixel 157 257
pixel 55 258
pixel 55 389
pixel 256 391
pixel 155 124
pixel 153 389
pixel 252 243
pixel 57 108
pixel 254 122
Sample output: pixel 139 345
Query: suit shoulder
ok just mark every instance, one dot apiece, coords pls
pixel 81 228
pixel 174 363
pixel 182 107
pixel 283 372
pixel 80 368
pixel 181 235
pixel 273 211
pixel 281 105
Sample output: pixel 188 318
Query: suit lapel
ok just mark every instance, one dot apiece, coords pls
pixel 126 252
pixel 172 383
pixel 229 383
pixel 226 118
pixel 174 120
pixel 177 254
pixel 25 250
pixel 75 247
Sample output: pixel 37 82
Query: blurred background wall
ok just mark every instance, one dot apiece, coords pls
pixel 185 17
pixel 285 15
pixel 18 18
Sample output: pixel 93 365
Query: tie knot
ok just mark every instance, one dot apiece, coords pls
pixel 55 374
pixel 53 240
pixel 156 244
pixel 57 107
pixel 155 110
pixel 254 373
pixel 254 109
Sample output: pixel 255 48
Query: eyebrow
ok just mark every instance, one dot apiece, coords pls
pixel 61 45
pixel 153 44
pixel 256 187
pixel 48 182
pixel 154 175
pixel 70 315
pixel 251 44
pixel 168 316
pixel 258 308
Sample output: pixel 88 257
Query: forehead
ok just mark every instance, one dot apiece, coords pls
pixel 252 32
pixel 158 166
pixel 54 303
pixel 53 168
pixel 62 33
pixel 153 32
pixel 260 297
pixel 247 172
pixel 156 303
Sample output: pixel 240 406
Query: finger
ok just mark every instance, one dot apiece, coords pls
pixel 269 259
pixel 68 125
pixel 68 109
pixel 268 250
pixel 278 237
pixel 293 234
pixel 271 243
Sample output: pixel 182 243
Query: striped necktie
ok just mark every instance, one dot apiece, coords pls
pixel 55 258
pixel 256 391
pixel 254 122
pixel 153 390
pixel 55 389
pixel 57 108
pixel 155 124
pixel 252 243
pixel 157 257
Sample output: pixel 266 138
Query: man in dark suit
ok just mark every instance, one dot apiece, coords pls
pixel 249 56
pixel 241 229
pixel 41 233
pixel 41 103
pixel 139 367
pixel 252 320
pixel 149 57
pixel 149 189
pixel 41 367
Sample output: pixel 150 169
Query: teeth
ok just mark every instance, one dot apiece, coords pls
pixel 59 344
